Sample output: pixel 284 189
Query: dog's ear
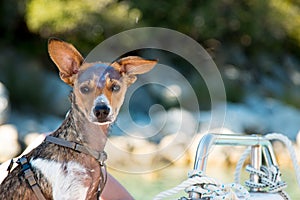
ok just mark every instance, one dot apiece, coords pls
pixel 66 57
pixel 134 65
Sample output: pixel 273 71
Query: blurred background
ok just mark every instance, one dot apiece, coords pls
pixel 255 45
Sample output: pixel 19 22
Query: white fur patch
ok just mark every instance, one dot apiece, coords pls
pixel 66 179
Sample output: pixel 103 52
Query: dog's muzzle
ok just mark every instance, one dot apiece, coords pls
pixel 101 112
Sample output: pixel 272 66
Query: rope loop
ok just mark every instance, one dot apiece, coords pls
pixel 207 187
pixel 213 189
pixel 210 188
pixel 269 179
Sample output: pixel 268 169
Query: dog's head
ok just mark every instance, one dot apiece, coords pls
pixel 99 88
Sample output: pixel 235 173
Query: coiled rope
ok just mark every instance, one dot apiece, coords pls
pixel 212 188
pixel 208 188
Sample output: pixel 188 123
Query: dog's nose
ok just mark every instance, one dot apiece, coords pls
pixel 101 111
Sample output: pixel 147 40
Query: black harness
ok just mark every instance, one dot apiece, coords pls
pixel 29 175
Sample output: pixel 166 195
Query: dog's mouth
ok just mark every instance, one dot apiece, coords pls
pixel 102 121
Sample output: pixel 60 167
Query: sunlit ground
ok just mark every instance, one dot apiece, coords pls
pixel 146 186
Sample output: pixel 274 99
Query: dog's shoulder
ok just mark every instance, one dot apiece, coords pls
pixel 66 178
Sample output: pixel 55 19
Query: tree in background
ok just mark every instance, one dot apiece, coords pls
pixel 257 39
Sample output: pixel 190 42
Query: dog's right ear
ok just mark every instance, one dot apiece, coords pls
pixel 66 57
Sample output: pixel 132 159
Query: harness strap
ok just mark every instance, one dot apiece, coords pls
pixel 103 180
pixel 29 176
pixel 99 156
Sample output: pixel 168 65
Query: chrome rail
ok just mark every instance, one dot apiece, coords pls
pixel 260 148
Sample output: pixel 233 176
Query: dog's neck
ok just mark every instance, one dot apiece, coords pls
pixel 77 128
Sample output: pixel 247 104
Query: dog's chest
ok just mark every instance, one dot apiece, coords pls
pixel 69 180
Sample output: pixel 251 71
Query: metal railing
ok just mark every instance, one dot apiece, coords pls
pixel 261 148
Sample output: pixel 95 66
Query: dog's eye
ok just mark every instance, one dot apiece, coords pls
pixel 115 88
pixel 84 89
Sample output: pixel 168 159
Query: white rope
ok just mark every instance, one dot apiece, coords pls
pixel 289 146
pixel 269 179
pixel 207 187
pixel 239 165
pixel 271 136
pixel 214 189
pixel 183 185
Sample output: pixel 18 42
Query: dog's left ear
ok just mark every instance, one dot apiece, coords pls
pixel 134 65
pixel 66 57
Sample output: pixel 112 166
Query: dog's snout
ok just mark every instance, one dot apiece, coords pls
pixel 101 111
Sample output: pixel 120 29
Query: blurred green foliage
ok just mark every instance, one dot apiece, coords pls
pixel 260 22
pixel 287 15
pixel 86 21
pixel 259 39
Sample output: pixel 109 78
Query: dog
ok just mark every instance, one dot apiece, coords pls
pixel 69 164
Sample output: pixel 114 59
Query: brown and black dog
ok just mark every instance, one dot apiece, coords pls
pixel 68 164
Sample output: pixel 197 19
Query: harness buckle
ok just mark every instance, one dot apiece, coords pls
pixel 102 157
pixel 24 163
pixel 29 176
